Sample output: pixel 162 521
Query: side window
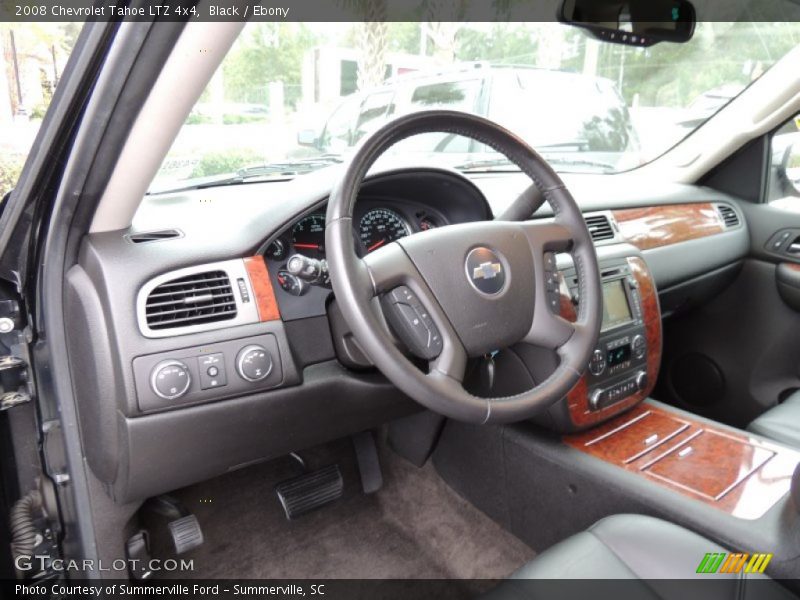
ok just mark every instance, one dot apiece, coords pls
pixel 373 113
pixel 32 60
pixel 784 177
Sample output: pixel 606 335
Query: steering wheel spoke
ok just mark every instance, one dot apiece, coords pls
pixel 548 236
pixel 410 306
pixel 388 268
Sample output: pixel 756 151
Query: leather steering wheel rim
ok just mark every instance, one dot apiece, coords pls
pixel 469 325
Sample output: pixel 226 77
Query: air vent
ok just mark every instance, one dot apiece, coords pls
pixel 204 297
pixel 600 227
pixel 154 236
pixel 728 215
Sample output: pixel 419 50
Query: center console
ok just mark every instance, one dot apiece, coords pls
pixel 624 365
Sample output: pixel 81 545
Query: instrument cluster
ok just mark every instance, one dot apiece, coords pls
pixel 375 224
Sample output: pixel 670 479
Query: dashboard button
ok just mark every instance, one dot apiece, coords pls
pixel 212 371
pixel 597 364
pixel 639 346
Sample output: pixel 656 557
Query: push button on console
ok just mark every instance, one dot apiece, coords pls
pixel 212 371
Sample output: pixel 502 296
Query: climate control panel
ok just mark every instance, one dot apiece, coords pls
pixel 204 373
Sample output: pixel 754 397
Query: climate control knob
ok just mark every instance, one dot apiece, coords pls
pixel 170 379
pixel 595 399
pixel 254 363
pixel 641 380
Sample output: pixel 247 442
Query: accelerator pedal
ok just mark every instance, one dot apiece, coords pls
pixel 310 491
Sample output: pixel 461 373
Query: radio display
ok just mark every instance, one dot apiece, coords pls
pixel 616 310
pixel 619 355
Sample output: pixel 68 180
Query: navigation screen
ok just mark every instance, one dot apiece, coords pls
pixel 615 305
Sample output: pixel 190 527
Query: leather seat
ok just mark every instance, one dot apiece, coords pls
pixel 781 423
pixel 633 547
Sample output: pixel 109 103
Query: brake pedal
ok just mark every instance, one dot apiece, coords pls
pixel 310 491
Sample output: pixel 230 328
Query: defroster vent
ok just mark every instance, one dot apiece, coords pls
pixel 204 297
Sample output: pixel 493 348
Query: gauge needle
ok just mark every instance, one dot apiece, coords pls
pixel 309 246
pixel 376 245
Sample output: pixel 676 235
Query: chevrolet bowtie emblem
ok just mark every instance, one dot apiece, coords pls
pixel 487 270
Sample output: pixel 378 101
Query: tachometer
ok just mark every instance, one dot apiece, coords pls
pixel 381 226
pixel 308 236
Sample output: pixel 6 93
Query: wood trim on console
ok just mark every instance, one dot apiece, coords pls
pixel 655 226
pixel 578 397
pixel 262 288
pixel 731 471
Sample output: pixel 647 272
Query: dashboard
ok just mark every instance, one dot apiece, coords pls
pixel 265 374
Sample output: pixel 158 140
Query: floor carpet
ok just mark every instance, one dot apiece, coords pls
pixel 414 527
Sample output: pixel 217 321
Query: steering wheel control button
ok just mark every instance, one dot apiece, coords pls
pixel 212 371
pixel 411 323
pixel 552 283
pixel 254 363
pixel 485 271
pixel 597 363
pixel 170 379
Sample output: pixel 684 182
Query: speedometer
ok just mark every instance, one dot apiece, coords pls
pixel 381 226
pixel 308 236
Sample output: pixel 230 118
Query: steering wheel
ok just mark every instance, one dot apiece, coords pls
pixel 464 290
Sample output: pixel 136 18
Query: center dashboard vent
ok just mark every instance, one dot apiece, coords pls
pixel 600 227
pixel 195 299
pixel 728 215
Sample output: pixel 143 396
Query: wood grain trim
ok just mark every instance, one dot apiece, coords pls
pixel 734 472
pixel 262 288
pixel 655 226
pixel 578 398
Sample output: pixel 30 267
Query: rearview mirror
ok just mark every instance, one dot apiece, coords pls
pixel 632 22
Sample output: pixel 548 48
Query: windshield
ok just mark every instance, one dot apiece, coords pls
pixel 293 97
